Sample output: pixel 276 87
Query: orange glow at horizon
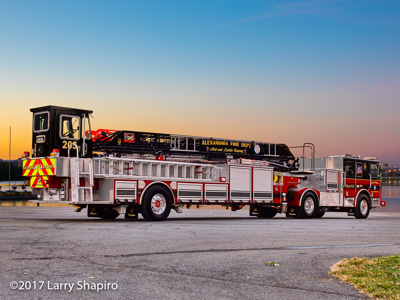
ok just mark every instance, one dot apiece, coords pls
pixel 232 124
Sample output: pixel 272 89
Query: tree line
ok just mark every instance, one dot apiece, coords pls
pixel 16 172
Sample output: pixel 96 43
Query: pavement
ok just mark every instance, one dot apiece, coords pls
pixel 53 252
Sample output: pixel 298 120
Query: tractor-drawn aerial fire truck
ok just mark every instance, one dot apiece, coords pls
pixel 113 172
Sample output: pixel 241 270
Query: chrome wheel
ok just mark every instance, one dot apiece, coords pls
pixel 309 206
pixel 158 204
pixel 364 207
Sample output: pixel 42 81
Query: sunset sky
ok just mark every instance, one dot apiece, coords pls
pixel 320 71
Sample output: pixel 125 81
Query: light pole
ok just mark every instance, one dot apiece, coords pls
pixel 9 164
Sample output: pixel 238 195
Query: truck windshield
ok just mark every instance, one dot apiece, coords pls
pixel 69 128
pixel 374 170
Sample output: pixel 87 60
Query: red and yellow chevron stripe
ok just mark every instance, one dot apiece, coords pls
pixel 39 167
pixel 39 182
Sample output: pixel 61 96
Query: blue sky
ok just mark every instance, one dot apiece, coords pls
pixel 316 71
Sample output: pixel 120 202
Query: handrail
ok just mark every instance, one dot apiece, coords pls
pixel 76 146
pixel 312 147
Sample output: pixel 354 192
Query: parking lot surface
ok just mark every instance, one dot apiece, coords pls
pixel 53 252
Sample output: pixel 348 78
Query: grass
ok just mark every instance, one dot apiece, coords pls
pixel 378 277
pixel 271 263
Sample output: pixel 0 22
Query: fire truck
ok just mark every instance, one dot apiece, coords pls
pixel 113 172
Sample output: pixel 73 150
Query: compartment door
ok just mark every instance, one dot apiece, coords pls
pixel 333 194
pixel 262 185
pixel 240 184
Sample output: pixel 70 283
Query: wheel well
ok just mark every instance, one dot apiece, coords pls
pixel 365 193
pixel 311 192
pixel 161 184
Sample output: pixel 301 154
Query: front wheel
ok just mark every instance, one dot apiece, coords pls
pixel 362 208
pixel 156 204
pixel 309 206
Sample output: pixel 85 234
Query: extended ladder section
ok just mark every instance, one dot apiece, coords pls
pixel 133 142
pixel 198 144
pixel 127 168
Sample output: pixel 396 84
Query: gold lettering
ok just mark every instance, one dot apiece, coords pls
pixel 214 143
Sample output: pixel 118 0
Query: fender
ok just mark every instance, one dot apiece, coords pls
pixel 304 191
pixel 160 183
pixel 358 194
pixel 300 193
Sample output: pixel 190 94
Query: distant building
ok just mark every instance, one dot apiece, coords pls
pixel 392 171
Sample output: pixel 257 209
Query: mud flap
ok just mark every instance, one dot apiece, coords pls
pixel 93 211
pixel 254 210
pixel 293 211
pixel 132 213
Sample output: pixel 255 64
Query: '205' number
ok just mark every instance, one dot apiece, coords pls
pixel 69 145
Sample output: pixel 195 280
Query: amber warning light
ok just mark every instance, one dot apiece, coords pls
pixel 55 152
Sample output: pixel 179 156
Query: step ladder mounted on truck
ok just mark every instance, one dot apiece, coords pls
pixel 113 172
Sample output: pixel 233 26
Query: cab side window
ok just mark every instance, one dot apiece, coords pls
pixel 86 130
pixel 359 170
pixel 41 122
pixel 349 169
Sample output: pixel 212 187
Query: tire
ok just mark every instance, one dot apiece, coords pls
pixel 109 214
pixel 309 206
pixel 362 209
pixel 320 214
pixel 156 204
pixel 267 213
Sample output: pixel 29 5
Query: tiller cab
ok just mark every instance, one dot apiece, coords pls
pixel 113 172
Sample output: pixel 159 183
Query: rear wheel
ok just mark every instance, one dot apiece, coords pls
pixel 362 208
pixel 309 206
pixel 156 204
pixel 267 212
